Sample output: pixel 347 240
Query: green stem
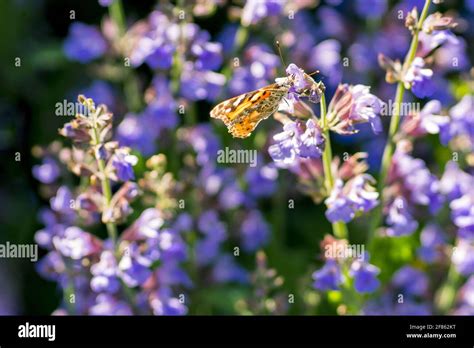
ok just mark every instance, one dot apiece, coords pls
pixel 117 14
pixel 394 124
pixel 178 55
pixel 446 296
pixel 339 228
pixel 105 182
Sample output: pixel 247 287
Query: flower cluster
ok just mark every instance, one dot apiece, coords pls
pixel 136 273
pixel 348 200
pixel 352 105
pixel 340 259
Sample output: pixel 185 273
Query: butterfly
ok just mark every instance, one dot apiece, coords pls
pixel 243 113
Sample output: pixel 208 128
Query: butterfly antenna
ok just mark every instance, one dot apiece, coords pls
pixel 277 43
pixel 314 72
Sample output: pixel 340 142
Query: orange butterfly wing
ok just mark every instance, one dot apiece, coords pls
pixel 243 113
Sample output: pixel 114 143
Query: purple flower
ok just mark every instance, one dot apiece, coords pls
pixel 256 70
pixel 356 196
pixel 207 249
pixel 162 302
pixel 430 39
pixel 366 107
pixel 231 196
pixel 462 213
pixel 312 141
pixel 214 231
pixel 352 105
pixel 204 142
pixel 430 120
pixel 284 150
pixel 329 277
pixel 399 219
pixel 46 172
pixel 84 43
pixel 101 92
pixel 427 121
pixel 326 57
pixel 170 273
pixel 133 269
pixel 419 78
pixel 261 180
pixel 106 3
pixel 461 123
pixel 370 8
pixel 51 266
pixel 297 139
pixel 209 55
pixel 76 244
pixel 61 203
pixel 200 85
pixel 135 133
pixel 109 305
pixel 452 56
pixel 467 296
pixel 410 281
pixel 171 245
pixel 183 222
pixel 210 225
pixel 298 76
pixel 254 231
pixel 365 276
pixel 463 257
pixel 256 10
pixel 339 206
pixel 432 241
pixel 419 185
pixel 455 182
pixel 105 274
pixel 123 163
pixel 226 270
